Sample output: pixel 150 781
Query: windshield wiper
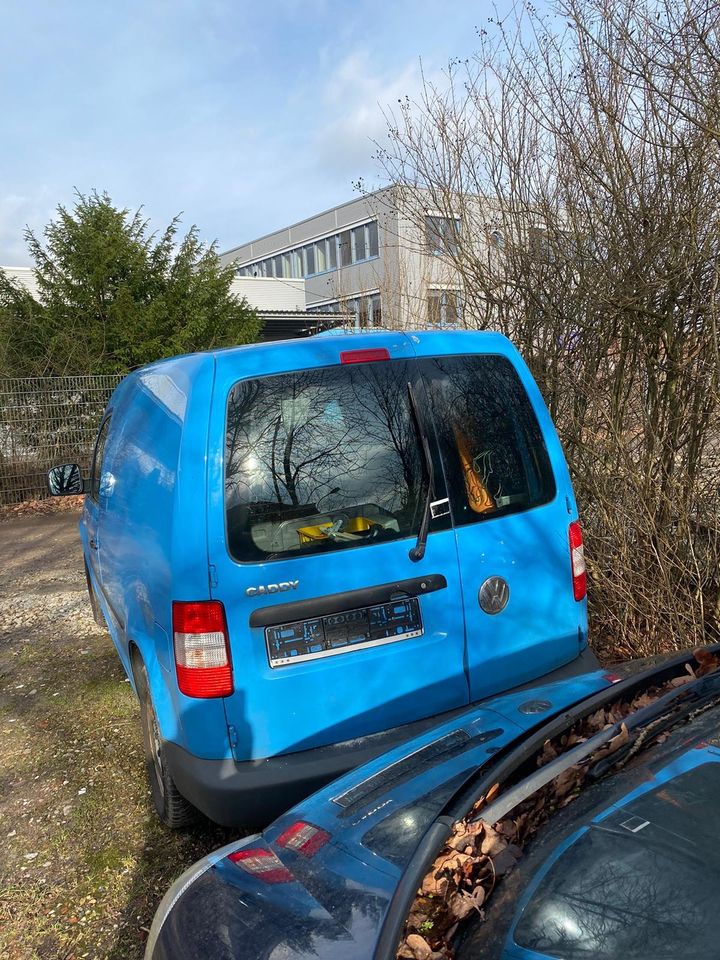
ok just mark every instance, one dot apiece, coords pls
pixel 418 551
pixel 671 708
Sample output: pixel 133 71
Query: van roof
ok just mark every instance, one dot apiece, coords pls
pixel 444 340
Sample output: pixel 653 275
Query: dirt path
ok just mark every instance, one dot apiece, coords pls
pixel 83 860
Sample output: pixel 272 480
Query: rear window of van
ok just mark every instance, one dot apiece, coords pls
pixel 330 458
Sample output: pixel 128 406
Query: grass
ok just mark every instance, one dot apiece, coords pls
pixel 84 860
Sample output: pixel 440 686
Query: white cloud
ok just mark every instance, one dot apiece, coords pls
pixel 17 212
pixel 358 97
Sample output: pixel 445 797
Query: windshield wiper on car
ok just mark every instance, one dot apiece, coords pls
pixel 670 709
pixel 418 551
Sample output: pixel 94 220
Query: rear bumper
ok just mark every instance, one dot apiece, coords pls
pixel 253 793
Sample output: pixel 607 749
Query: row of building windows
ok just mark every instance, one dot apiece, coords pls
pixel 339 250
pixel 444 309
pixel 367 310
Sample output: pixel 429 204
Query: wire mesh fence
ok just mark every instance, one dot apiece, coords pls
pixel 44 421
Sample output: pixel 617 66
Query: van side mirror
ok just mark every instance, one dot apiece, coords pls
pixel 65 480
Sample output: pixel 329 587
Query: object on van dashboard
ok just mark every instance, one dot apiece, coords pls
pixel 65 480
pixel 293 546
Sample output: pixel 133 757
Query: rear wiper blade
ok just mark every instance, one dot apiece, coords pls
pixel 418 551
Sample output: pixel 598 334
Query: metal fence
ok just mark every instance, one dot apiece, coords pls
pixel 44 421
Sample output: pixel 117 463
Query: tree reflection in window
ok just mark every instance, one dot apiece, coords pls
pixel 321 459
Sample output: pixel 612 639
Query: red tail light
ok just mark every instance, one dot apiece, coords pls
pixel 263 864
pixel 202 654
pixel 304 838
pixel 364 356
pixel 577 560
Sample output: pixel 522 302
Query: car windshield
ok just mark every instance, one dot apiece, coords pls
pixel 629 871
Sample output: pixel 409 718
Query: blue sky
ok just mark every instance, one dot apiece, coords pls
pixel 243 116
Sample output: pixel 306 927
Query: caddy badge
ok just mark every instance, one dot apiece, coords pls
pixel 272 588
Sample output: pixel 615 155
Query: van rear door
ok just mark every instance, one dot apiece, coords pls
pixel 318 484
pixel 512 504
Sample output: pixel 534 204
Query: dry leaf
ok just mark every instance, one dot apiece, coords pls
pixel 421 949
pixel 462 904
pixel 492 792
pixel 504 862
pixel 566 782
pixel 492 842
pixel 479 854
pixel 507 828
pixel 435 887
pixel 708 661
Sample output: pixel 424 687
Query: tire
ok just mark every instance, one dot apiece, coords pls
pixel 171 806
pixel 94 605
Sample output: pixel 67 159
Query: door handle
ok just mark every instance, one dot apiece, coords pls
pixel 93 545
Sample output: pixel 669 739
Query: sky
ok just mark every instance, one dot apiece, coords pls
pixel 243 117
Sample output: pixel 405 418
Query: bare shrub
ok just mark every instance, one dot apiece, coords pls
pixel 580 153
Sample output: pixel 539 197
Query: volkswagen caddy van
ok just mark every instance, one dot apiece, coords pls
pixel 308 551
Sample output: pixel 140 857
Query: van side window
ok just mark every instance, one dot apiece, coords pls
pixel 492 447
pixel 97 462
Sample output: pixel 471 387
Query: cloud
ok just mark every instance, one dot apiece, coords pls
pixel 17 212
pixel 358 97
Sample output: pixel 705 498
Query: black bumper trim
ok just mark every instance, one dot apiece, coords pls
pixel 253 793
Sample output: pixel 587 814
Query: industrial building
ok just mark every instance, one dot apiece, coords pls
pixel 364 258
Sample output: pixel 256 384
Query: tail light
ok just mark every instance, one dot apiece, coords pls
pixel 263 864
pixel 303 838
pixel 364 356
pixel 202 654
pixel 577 560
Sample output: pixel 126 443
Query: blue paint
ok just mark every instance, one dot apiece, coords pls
pixel 159 523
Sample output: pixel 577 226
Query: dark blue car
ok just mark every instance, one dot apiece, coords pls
pixel 628 870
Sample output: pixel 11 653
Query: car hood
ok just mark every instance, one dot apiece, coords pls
pixel 318 882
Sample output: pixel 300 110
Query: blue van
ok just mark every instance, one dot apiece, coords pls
pixel 308 551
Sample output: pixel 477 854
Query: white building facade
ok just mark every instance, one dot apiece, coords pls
pixel 365 258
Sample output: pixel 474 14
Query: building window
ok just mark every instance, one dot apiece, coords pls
pixel 497 238
pixel 442 235
pixel 372 229
pixel 359 244
pixel 444 308
pixel 367 310
pixel 309 260
pixel 345 245
pixel 341 249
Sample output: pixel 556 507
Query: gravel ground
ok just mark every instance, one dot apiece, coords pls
pixel 84 861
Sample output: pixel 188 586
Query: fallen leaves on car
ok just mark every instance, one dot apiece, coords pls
pixel 478 854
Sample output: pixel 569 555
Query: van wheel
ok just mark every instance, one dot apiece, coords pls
pixel 94 605
pixel 171 806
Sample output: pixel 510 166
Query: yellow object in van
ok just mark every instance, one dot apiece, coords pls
pixel 319 531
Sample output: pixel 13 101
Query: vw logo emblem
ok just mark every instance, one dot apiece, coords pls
pixel 493 595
